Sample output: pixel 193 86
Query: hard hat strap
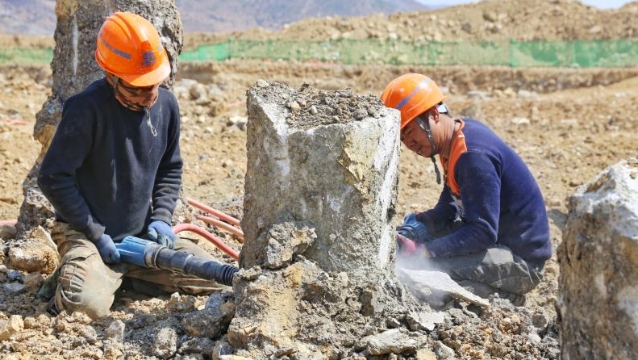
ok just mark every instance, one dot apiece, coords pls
pixel 425 125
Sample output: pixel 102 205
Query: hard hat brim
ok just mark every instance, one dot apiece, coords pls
pixel 151 78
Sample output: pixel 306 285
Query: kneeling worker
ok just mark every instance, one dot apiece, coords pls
pixel 114 169
pixel 489 230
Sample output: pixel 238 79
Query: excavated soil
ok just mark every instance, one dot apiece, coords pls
pixel 567 124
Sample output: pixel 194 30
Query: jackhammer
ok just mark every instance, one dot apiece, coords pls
pixel 149 254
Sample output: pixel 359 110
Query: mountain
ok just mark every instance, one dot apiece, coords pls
pixel 27 17
pixel 224 16
pixel 37 17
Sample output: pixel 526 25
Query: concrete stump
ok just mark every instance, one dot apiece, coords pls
pixel 598 282
pixel 330 159
pixel 73 68
pixel 319 216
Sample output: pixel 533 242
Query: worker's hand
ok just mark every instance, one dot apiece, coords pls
pixel 162 233
pixel 407 247
pixel 108 251
pixel 413 229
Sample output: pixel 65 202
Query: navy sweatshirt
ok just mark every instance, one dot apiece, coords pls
pixel 501 202
pixel 108 170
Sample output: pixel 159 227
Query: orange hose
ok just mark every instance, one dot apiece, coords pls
pixel 8 222
pixel 227 218
pixel 208 236
pixel 221 224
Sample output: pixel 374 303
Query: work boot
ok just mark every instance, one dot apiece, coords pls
pixel 52 307
pixel 50 285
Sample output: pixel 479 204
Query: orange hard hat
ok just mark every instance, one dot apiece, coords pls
pixel 129 47
pixel 412 94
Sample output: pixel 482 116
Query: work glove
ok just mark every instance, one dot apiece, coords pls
pixel 162 233
pixel 108 251
pixel 413 229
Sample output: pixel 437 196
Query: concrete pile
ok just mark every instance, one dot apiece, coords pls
pixel 318 217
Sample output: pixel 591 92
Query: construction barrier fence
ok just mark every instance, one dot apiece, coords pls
pixel 574 54
pixel 25 56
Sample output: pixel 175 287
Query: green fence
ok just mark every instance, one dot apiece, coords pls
pixel 26 56
pixel 598 53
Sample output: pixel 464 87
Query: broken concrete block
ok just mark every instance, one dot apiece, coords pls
pixel 598 283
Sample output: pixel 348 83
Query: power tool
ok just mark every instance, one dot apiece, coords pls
pixel 146 253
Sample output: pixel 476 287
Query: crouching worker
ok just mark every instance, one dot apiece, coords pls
pixel 114 169
pixel 489 230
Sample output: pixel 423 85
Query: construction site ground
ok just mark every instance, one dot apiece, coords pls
pixel 566 137
pixel 567 124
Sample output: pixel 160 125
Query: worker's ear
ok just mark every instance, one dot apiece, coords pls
pixel 435 115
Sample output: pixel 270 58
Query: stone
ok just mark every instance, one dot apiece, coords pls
pixel 115 331
pixel 433 286
pixel 424 321
pixel 599 267
pixel 33 257
pixel 392 341
pixel 211 322
pixel 14 325
pixel 165 343
pixel 12 288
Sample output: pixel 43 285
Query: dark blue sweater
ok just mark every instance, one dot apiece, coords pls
pixel 105 171
pixel 502 203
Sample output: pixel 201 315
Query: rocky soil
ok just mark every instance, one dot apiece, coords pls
pixel 567 124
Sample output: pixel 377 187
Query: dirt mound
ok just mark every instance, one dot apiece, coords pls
pixel 522 20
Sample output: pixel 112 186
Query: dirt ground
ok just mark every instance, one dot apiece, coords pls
pixel 567 124
pixel 566 137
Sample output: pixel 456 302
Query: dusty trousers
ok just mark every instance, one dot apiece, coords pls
pixel 497 267
pixel 85 283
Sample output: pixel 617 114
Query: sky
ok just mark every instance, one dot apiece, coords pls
pixel 601 4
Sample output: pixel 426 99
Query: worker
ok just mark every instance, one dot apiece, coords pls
pixel 489 229
pixel 114 169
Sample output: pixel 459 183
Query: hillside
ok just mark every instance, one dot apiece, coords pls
pixel 37 17
pixel 522 20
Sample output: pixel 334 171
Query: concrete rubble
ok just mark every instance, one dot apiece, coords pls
pixel 599 267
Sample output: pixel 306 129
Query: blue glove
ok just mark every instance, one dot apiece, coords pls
pixel 108 251
pixel 413 229
pixel 162 233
